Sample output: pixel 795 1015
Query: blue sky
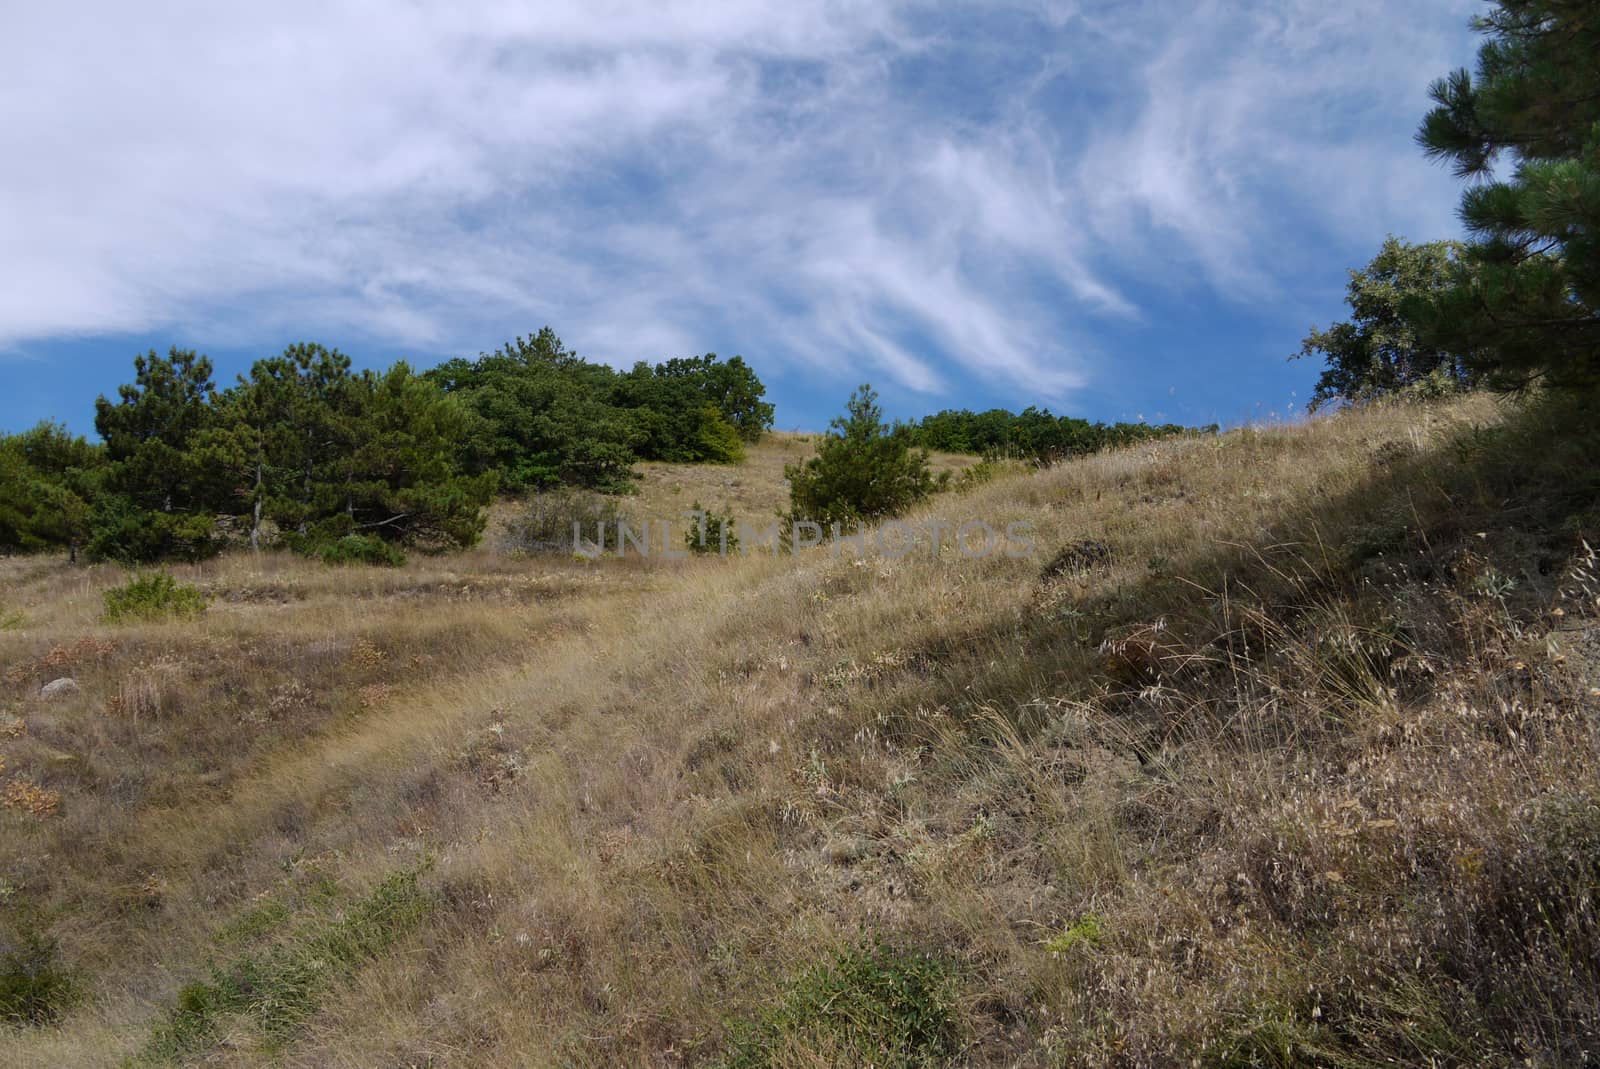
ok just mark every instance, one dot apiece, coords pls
pixel 1120 211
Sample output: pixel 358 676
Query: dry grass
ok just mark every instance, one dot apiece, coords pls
pixel 754 490
pixel 1294 766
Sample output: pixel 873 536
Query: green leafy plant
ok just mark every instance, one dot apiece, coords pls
pixel 716 439
pixel 157 596
pixel 1379 352
pixel 1087 932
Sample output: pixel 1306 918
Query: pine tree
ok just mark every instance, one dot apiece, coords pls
pixel 162 496
pixel 865 470
pixel 328 455
pixel 1530 308
pixel 48 477
pixel 273 437
pixel 401 478
pixel 303 401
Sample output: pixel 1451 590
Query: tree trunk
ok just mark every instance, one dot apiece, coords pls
pixel 255 512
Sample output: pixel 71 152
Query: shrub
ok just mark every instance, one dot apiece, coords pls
pixel 121 531
pixel 1085 932
pixel 712 534
pixel 869 1006
pixel 547 520
pixel 717 440
pixel 864 470
pixel 34 988
pixel 157 596
pixel 350 549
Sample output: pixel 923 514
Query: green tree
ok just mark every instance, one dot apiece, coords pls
pixel 1530 307
pixel 291 425
pixel 1379 350
pixel 400 477
pixel 48 477
pixel 542 417
pixel 695 409
pixel 1034 434
pixel 716 440
pixel 732 386
pixel 161 496
pixel 865 470
pixel 546 417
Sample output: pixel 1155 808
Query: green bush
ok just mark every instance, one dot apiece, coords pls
pixel 121 531
pixel 34 988
pixel 350 549
pixel 987 471
pixel 869 1006
pixel 1034 435
pixel 864 470
pixel 712 534
pixel 157 596
pixel 717 440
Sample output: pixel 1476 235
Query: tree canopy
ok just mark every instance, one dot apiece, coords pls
pixel 48 477
pixel 546 417
pixel 301 442
pixel 354 465
pixel 1379 350
pixel 1034 434
pixel 1529 307
pixel 159 488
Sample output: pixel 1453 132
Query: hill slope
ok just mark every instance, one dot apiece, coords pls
pixel 1280 751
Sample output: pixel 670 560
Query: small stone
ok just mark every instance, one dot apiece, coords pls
pixel 59 688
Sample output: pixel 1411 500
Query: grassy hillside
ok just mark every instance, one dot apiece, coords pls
pixel 1281 751
pixel 753 491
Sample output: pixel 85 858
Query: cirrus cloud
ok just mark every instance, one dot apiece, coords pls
pixel 936 193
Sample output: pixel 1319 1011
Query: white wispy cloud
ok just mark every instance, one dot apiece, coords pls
pixel 929 191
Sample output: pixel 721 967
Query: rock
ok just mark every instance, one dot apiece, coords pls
pixel 59 688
